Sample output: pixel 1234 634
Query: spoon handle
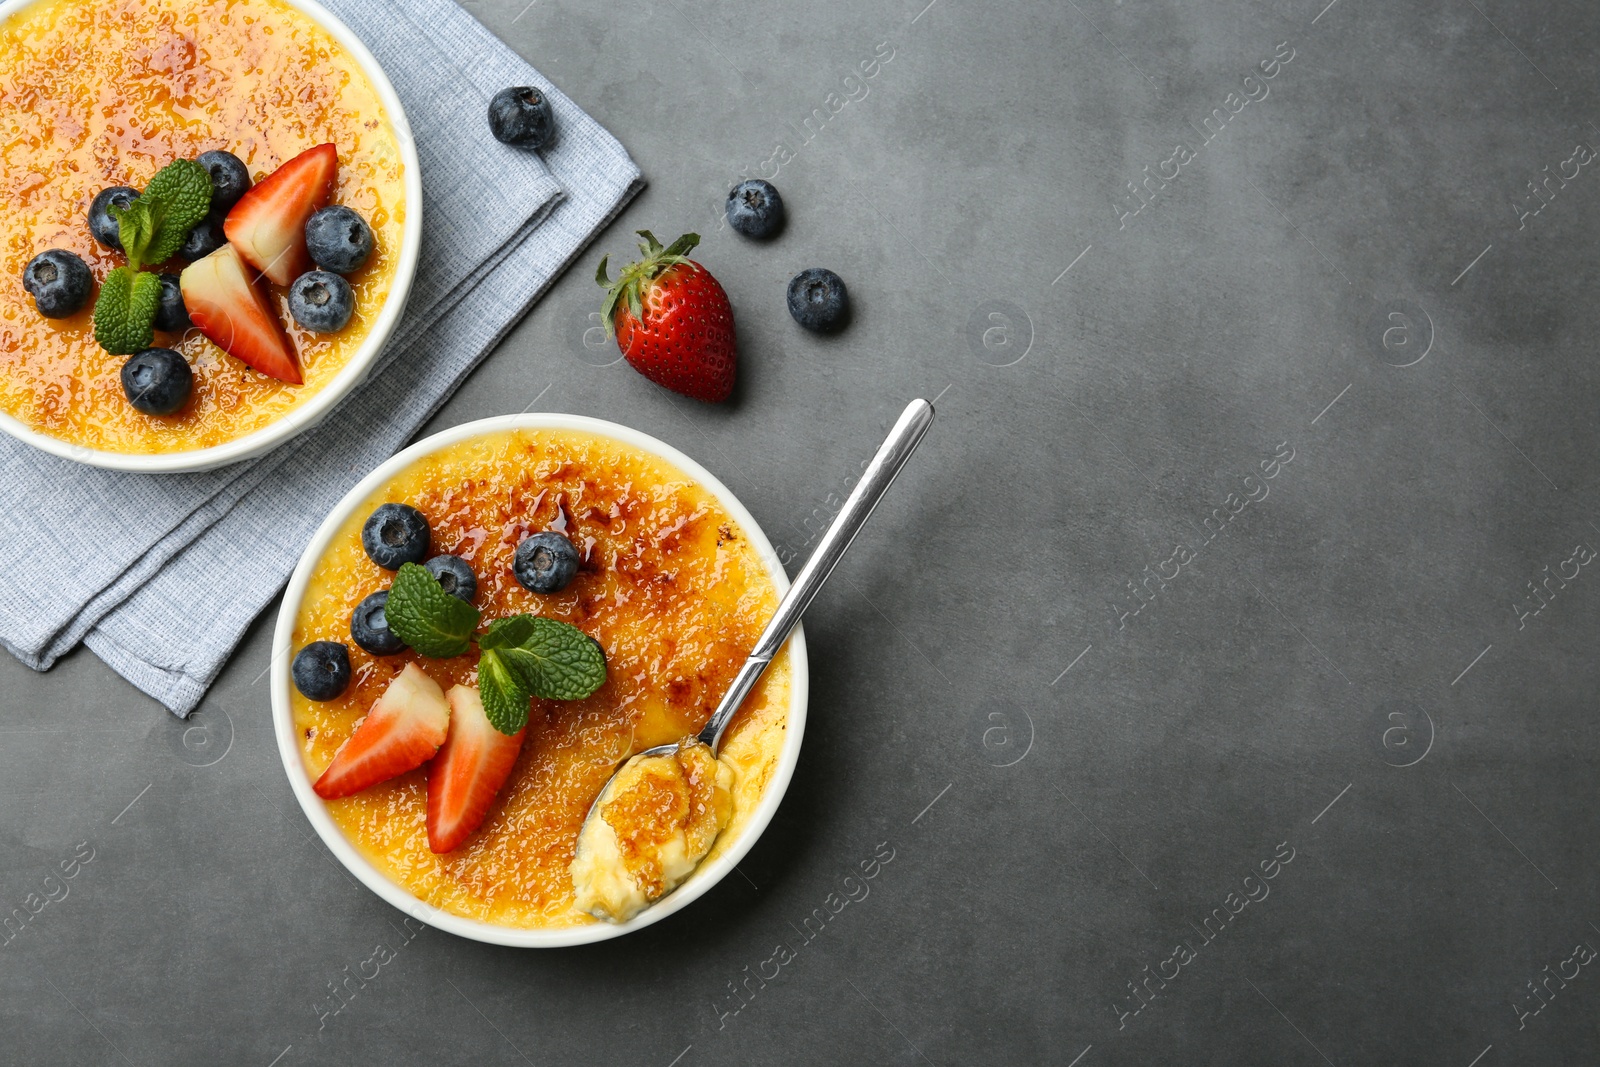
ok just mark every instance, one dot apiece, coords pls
pixel 880 474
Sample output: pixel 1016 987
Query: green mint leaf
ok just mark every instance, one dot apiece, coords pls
pixel 125 312
pixel 179 197
pixel 507 633
pixel 424 616
pixel 505 698
pixel 555 661
pixel 136 227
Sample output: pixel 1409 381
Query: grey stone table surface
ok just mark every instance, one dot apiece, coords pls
pixel 1218 680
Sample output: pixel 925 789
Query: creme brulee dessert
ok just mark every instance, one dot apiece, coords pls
pixel 97 98
pixel 593 571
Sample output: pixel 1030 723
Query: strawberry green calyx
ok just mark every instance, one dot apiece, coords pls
pixel 636 276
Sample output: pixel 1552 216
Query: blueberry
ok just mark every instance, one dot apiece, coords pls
pixel 338 239
pixel 321 301
pixel 321 670
pixel 157 381
pixel 171 315
pixel 204 239
pixel 370 629
pixel 455 576
pixel 59 281
pixel 229 179
pixel 818 300
pixel 521 115
pixel 395 534
pixel 545 562
pixel 106 229
pixel 754 208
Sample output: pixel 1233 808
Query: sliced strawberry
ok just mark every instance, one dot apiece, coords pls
pixel 230 309
pixel 470 769
pixel 402 732
pixel 268 224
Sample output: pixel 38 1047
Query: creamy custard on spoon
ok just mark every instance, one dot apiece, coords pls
pixel 652 825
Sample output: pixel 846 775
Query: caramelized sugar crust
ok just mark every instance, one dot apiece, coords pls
pixel 106 92
pixel 671 589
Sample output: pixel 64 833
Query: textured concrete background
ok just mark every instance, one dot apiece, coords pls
pixel 1253 538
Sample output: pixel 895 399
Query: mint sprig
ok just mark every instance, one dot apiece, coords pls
pixel 155 225
pixel 520 657
pixel 136 227
pixel 179 197
pixel 427 618
pixel 556 661
pixel 125 311
pixel 505 697
pixel 151 229
pixel 507 633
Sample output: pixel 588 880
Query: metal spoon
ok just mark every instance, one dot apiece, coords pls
pixel 880 474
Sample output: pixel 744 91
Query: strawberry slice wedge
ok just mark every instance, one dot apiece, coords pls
pixel 227 307
pixel 402 732
pixel 268 224
pixel 468 772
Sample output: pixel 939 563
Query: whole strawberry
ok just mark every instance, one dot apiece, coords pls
pixel 672 320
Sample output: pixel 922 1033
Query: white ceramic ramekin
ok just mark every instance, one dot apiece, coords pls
pixel 354 372
pixel 708 874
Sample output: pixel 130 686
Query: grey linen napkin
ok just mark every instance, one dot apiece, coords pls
pixel 160 575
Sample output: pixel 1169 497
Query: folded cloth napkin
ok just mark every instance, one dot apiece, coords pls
pixel 161 574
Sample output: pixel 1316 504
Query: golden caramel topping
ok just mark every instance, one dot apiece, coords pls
pixel 670 587
pixel 107 93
